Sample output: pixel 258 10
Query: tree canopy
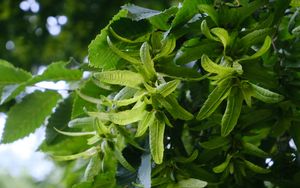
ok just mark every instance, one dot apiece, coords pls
pixel 204 93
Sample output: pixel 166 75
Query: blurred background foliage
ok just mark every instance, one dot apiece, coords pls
pixel 40 32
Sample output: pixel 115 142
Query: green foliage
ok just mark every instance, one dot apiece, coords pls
pixel 197 95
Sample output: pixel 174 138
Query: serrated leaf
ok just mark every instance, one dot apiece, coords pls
pixel 59 119
pixel 232 112
pixel 11 75
pixel 265 95
pixel 121 77
pixel 256 168
pixel 156 137
pixel 29 114
pixel 57 71
pixel 215 142
pixel 122 160
pixel 191 183
pixel 145 123
pixel 100 54
pixel 147 61
pixel 168 88
pixel 214 99
pixel 123 117
pixel 93 168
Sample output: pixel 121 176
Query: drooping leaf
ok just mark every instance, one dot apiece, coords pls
pixel 221 167
pixel 156 137
pixel 145 123
pixel 265 95
pixel 210 11
pixel 263 49
pixel 256 168
pixel 29 114
pixel 59 119
pixel 232 112
pixel 122 160
pixel 214 99
pixel 222 35
pixel 254 150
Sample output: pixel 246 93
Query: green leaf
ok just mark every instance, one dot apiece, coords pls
pixel 85 154
pixel 147 61
pixel 120 77
pixel 145 123
pixel 173 107
pixel 168 45
pixel 265 95
pixel 215 143
pixel 122 54
pixel 168 88
pixel 264 48
pixel 156 137
pixel 256 168
pixel 57 71
pixel 222 35
pixel 123 117
pixel 11 75
pixel 100 54
pixel 122 160
pixel 212 67
pixel 255 37
pixel 210 11
pixel 295 3
pixel 220 168
pixel 214 99
pixel 186 12
pixel 205 30
pixel 254 150
pixel 26 116
pixel 59 119
pixel 232 112
pixel 191 183
pixel 93 168
pixel 190 159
